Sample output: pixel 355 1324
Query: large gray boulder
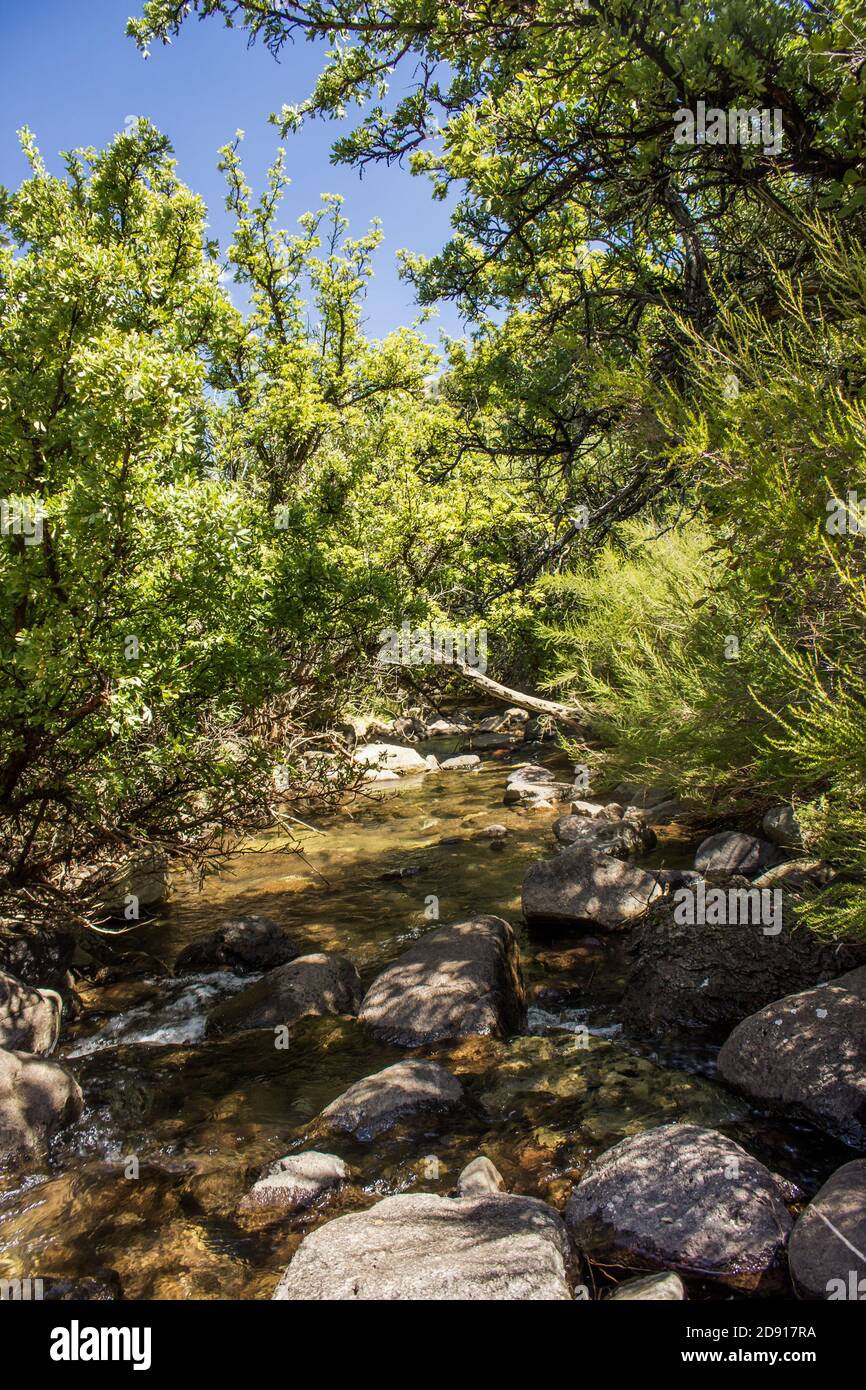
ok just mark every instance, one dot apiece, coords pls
pixel 620 838
pixel 29 1017
pixel 422 1247
pixel 807 1052
pixel 465 762
pixel 295 1182
pixel 733 852
pixel 390 757
pixel 683 1199
pixel 457 980
pixel 586 885
pixel 535 786
pixel 244 944
pixel 406 1091
pixel 827 1249
pixel 37 1098
pixel 710 976
pixel 314 985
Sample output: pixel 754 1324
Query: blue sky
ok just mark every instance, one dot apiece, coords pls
pixel 68 71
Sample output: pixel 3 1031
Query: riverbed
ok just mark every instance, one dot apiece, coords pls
pixel 141 1195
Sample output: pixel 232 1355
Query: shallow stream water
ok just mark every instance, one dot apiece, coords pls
pixel 142 1193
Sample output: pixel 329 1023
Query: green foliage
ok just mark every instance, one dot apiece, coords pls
pixel 642 441
pixel 773 436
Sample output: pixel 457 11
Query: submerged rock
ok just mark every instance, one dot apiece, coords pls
pixel 244 944
pixel 424 1247
pixel 684 1199
pixel 732 852
pixel 827 1249
pixel 586 885
pixel 37 1098
pixel 404 1091
pixel 708 976
pixel 596 1087
pixel 494 832
pixel 807 1052
pixel 311 985
pixel 29 1017
pixel 296 1182
pixel 456 981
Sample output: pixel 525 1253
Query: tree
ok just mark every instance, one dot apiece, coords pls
pixel 580 206
pixel 138 590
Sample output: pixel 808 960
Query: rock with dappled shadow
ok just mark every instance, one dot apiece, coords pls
pixel 807 1052
pixel 620 838
pixel 587 886
pixel 732 852
pixel 37 1098
pixel 312 985
pixel 827 1249
pixel 295 1182
pixel 243 944
pixel 457 980
pixel 708 976
pixel 29 1017
pixel 402 1092
pixel 422 1247
pixel 683 1199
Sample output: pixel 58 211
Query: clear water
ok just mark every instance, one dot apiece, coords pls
pixel 177 1128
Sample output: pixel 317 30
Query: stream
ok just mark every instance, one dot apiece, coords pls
pixel 142 1193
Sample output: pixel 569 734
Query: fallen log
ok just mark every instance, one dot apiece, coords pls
pixel 573 715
